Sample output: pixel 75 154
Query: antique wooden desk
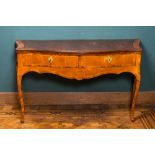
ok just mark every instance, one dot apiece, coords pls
pixel 79 59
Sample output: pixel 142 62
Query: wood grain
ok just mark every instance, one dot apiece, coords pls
pixel 79 67
pixel 108 60
pixel 43 60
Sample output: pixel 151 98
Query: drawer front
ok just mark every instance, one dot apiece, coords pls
pixel 47 60
pixel 113 60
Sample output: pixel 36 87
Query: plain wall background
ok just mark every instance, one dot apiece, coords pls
pixel 46 82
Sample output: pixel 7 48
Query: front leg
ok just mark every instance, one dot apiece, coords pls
pixel 20 93
pixel 134 96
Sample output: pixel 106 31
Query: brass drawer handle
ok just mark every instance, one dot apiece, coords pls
pixel 50 60
pixel 109 59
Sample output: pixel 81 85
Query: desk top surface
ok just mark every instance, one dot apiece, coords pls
pixel 79 46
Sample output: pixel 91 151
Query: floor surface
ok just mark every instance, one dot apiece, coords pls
pixel 76 117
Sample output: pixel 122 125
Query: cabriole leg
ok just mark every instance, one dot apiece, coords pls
pixel 134 97
pixel 20 93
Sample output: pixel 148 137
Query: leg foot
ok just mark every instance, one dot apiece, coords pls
pixel 22 118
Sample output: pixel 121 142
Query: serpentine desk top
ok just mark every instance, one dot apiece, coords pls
pixel 80 46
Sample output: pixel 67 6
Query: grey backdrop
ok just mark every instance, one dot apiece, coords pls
pixel 34 82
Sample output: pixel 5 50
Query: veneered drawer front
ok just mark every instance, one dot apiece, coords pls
pixel 113 60
pixel 49 60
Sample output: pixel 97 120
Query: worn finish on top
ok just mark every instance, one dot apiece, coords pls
pixel 79 46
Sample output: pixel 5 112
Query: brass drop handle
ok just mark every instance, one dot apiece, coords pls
pixel 50 60
pixel 109 59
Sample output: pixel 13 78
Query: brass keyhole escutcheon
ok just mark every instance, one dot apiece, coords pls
pixel 50 60
pixel 109 59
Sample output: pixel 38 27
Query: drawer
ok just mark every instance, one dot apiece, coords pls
pixel 113 60
pixel 48 60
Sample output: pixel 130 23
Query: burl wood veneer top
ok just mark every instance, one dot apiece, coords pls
pixel 79 46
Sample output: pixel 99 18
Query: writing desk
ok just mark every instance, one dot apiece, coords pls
pixel 79 59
